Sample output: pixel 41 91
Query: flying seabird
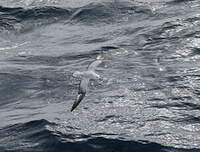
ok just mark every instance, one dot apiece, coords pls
pixel 85 78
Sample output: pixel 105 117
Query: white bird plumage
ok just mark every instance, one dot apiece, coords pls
pixel 85 78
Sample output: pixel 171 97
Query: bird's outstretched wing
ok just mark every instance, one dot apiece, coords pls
pixel 81 92
pixel 95 63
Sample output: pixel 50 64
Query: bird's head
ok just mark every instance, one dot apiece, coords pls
pixel 100 57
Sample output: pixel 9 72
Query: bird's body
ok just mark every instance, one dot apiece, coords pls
pixel 86 74
pixel 85 78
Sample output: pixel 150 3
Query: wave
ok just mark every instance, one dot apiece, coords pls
pixel 109 12
pixel 35 136
pixel 180 1
pixel 23 20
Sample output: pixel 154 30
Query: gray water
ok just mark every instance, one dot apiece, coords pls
pixel 148 99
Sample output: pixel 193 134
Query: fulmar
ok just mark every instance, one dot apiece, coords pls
pixel 85 78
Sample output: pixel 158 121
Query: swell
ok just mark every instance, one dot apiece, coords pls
pixel 23 20
pixel 35 136
pixel 119 12
pixel 25 136
pixel 109 12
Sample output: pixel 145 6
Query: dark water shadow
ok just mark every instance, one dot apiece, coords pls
pixel 35 136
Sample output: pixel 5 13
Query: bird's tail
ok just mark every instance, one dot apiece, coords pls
pixel 77 101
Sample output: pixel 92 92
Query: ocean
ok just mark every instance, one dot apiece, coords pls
pixel 148 99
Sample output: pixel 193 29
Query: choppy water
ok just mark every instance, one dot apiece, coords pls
pixel 148 100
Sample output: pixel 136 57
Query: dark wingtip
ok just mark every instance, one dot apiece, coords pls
pixel 72 109
pixel 74 106
pixel 78 100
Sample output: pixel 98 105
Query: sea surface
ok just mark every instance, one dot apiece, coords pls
pixel 148 99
